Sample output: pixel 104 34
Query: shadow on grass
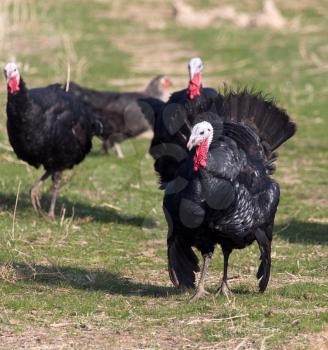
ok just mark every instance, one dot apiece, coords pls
pixel 101 214
pixel 92 280
pixel 245 290
pixel 303 232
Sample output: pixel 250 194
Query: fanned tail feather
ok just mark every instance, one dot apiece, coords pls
pixel 271 123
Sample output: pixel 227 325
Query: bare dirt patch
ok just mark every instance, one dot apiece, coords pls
pixel 58 336
pixel 318 341
pixel 142 12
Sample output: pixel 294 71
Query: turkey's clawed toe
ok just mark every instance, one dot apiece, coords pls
pixel 51 216
pixel 35 199
pixel 224 290
pixel 200 293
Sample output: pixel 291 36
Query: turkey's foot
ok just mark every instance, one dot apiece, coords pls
pixel 35 199
pixel 200 293
pixel 224 290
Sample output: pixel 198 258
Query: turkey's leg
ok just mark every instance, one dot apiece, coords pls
pixel 200 291
pixel 118 151
pixel 35 196
pixel 56 178
pixel 224 289
pixel 106 145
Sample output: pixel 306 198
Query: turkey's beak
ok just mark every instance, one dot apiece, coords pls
pixel 166 83
pixel 192 71
pixel 191 143
pixel 8 75
pixel 5 75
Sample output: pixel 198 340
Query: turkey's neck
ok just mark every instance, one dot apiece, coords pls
pixel 194 86
pixel 154 89
pixel 201 155
pixel 18 101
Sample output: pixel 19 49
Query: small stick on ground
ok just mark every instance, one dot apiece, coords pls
pixel 209 320
pixel 15 209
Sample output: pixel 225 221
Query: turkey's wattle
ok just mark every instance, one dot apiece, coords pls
pixel 13 85
pixel 200 155
pixel 194 86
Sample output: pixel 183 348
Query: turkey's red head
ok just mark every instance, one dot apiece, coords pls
pixel 195 68
pixel 165 83
pixel 201 138
pixel 12 76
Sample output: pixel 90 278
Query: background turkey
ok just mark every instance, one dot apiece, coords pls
pixel 119 112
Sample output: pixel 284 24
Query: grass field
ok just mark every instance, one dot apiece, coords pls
pixel 97 277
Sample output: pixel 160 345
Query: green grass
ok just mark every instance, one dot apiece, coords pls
pixel 103 268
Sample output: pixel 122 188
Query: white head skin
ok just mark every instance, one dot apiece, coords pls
pixel 195 66
pixel 200 132
pixel 11 71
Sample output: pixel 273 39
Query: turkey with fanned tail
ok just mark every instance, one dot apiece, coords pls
pixel 222 192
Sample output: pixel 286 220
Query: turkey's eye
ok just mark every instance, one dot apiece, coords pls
pixel 208 130
pixel 202 132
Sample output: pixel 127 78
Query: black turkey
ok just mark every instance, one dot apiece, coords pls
pixel 222 192
pixel 119 112
pixel 48 127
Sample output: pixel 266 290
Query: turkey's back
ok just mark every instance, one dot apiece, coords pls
pixel 48 127
pixel 118 112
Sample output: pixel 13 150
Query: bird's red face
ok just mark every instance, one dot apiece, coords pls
pixel 12 76
pixel 166 83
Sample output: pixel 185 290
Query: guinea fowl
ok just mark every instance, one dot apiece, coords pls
pixel 222 192
pixel 173 120
pixel 47 127
pixel 119 112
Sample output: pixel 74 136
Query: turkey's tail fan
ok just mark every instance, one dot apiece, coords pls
pixel 271 123
pixel 183 263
